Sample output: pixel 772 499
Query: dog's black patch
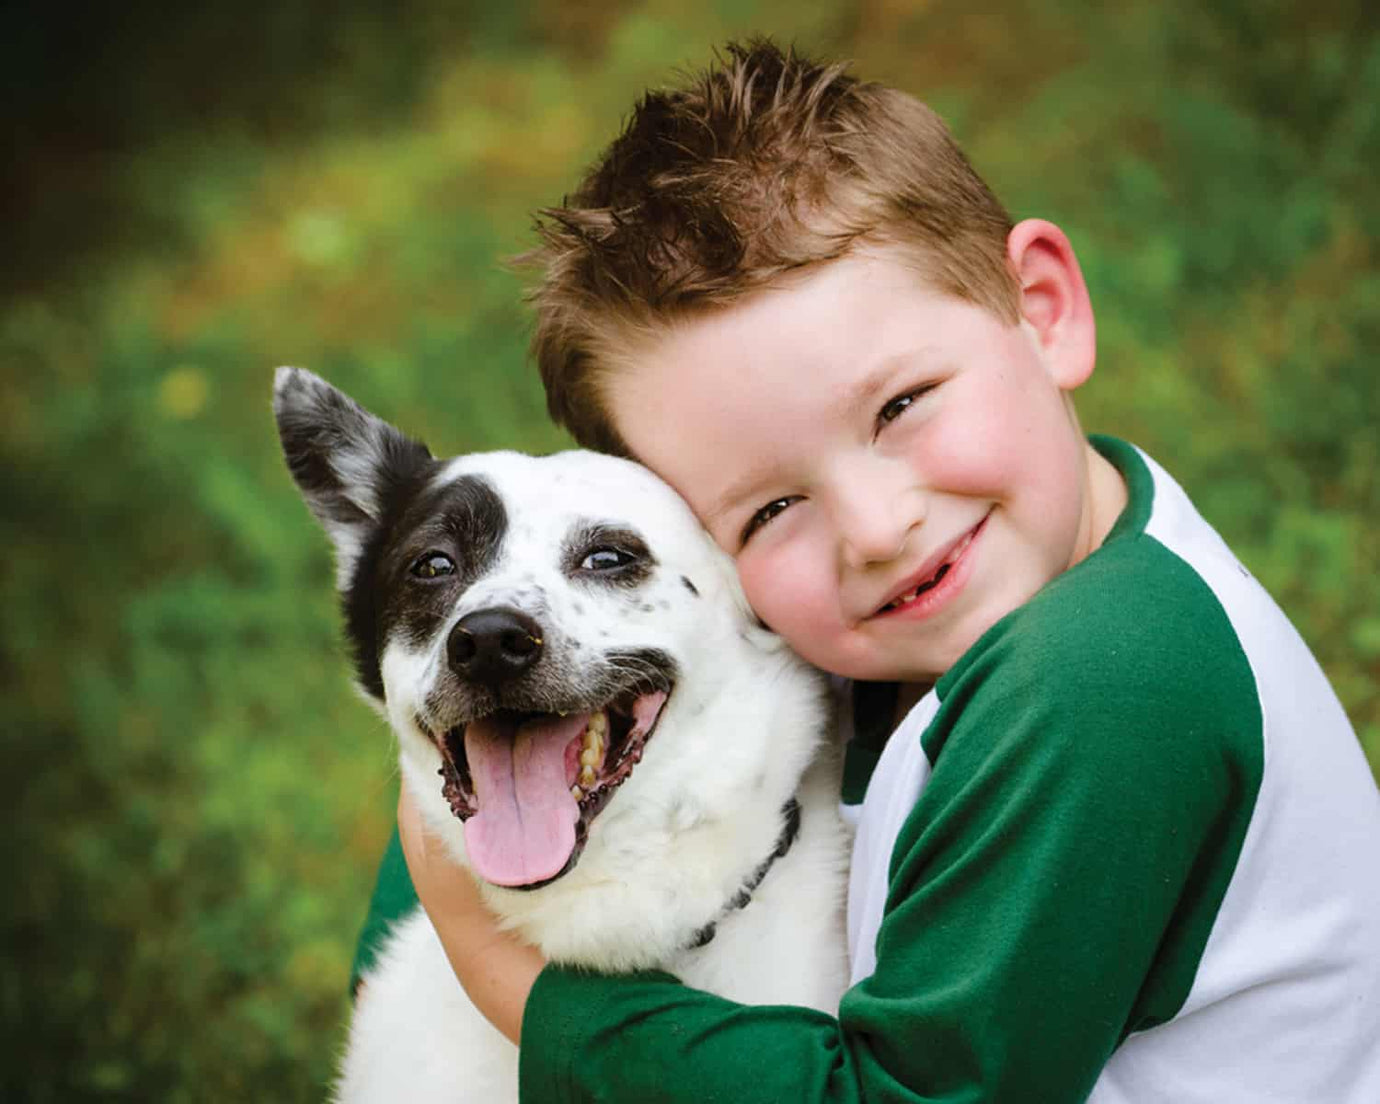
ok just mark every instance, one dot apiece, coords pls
pixel 357 473
pixel 689 586
pixel 365 617
pixel 464 520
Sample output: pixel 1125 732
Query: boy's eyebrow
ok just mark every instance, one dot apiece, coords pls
pixel 732 495
pixel 863 392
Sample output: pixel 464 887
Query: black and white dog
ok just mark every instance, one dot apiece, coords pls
pixel 589 714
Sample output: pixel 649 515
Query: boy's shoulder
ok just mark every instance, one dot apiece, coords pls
pixel 1141 635
pixel 1137 603
pixel 1135 610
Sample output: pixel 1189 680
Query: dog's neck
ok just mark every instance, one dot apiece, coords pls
pixel 790 829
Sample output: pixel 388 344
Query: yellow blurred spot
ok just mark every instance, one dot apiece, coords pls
pixel 182 394
pixel 319 238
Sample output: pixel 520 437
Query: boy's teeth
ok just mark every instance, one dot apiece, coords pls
pixel 930 583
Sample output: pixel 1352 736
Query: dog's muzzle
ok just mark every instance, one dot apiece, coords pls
pixel 531 768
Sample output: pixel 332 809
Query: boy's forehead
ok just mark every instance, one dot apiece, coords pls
pixel 849 322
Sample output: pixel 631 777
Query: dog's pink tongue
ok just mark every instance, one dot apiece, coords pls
pixel 524 830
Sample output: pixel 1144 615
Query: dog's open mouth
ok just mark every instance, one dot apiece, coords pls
pixel 527 785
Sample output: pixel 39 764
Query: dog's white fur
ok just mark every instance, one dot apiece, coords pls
pixel 741 733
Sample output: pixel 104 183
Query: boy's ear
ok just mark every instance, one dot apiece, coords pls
pixel 347 463
pixel 1054 299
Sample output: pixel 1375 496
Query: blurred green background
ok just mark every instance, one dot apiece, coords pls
pixel 194 195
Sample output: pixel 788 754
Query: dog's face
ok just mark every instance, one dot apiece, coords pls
pixel 525 622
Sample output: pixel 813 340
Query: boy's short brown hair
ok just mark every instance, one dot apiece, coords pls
pixel 764 163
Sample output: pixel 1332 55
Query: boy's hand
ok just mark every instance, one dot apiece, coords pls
pixel 495 967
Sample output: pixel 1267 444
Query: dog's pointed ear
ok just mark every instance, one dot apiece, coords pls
pixel 348 464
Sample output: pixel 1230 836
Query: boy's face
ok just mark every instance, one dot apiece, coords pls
pixel 893 469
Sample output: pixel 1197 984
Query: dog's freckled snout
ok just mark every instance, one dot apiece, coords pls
pixel 491 646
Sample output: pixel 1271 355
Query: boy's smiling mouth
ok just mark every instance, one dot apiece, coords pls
pixel 924 591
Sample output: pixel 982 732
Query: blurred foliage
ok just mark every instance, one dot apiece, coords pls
pixel 195 195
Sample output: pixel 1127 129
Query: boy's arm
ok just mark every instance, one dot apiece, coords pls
pixel 495 967
pixel 1051 892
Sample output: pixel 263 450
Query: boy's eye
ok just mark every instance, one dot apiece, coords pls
pixel 764 515
pixel 894 408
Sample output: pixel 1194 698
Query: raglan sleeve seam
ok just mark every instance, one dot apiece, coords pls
pixel 1085 759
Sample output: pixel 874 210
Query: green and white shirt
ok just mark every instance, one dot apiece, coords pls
pixel 1127 849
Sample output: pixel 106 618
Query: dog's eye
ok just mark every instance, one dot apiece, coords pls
pixel 433 566
pixel 606 559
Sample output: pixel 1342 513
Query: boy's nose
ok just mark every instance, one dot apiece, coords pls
pixel 873 527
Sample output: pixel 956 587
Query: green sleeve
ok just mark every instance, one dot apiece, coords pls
pixel 394 897
pixel 1094 771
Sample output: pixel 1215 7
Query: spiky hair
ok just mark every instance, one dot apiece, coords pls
pixel 764 163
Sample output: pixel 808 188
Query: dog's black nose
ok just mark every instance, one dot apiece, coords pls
pixel 494 645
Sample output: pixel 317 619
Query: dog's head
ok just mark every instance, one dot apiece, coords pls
pixel 526 624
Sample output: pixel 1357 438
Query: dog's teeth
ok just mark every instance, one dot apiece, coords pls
pixel 592 750
pixel 587 777
pixel 577 793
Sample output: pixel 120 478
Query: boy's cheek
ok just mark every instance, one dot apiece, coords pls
pixel 785 593
pixel 751 576
pixel 762 579
pixel 980 456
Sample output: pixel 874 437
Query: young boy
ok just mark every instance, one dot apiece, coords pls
pixel 1122 843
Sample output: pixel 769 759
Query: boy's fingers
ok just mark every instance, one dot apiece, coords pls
pixel 417 845
pixel 410 828
pixel 444 887
pixel 496 968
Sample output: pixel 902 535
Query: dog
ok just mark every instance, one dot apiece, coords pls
pixel 636 771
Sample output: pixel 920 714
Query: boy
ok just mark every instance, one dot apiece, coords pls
pixel 1122 843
